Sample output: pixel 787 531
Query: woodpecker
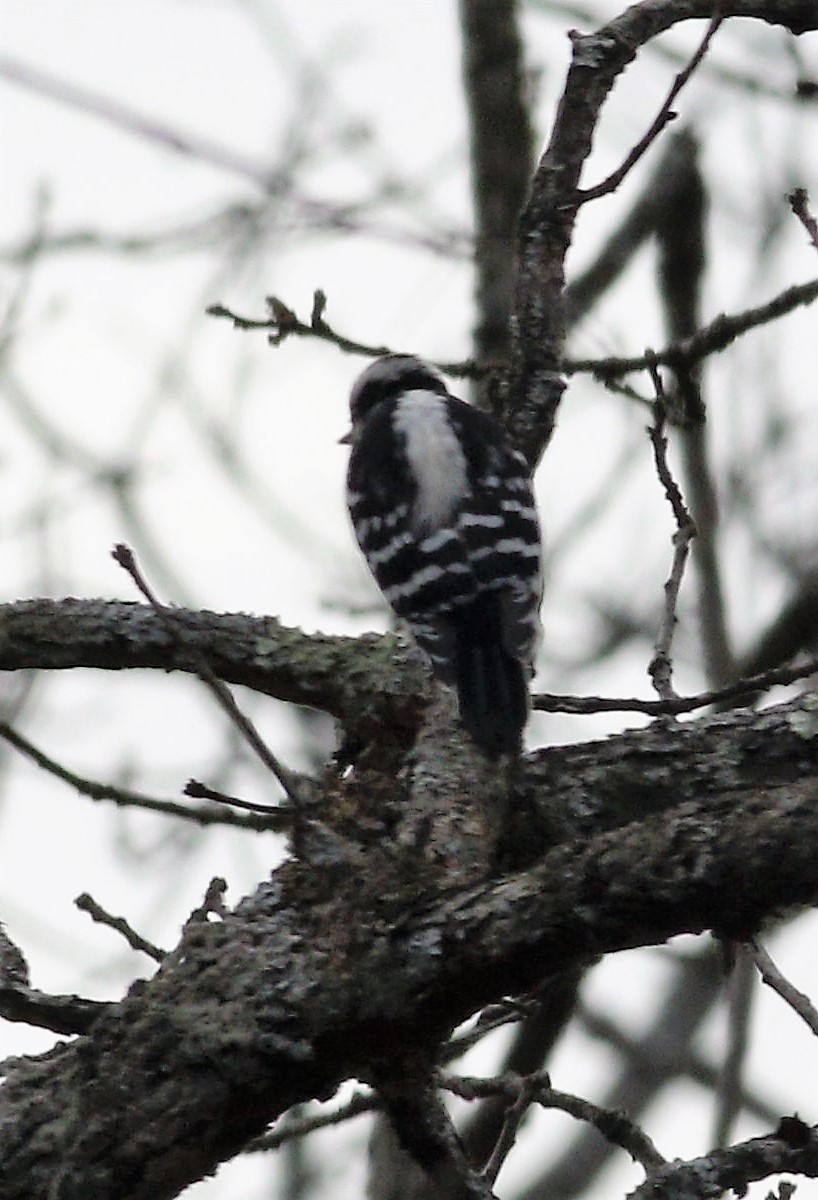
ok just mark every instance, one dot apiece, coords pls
pixel 443 510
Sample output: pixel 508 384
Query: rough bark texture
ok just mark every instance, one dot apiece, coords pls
pixel 547 225
pixel 340 970
pixel 353 679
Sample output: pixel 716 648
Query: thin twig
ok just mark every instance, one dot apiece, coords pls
pixel 712 338
pixel 514 1115
pixel 200 791
pixel 799 203
pixel 283 323
pixel 130 799
pixel 297 787
pixel 96 912
pixel 494 1016
pixel 773 977
pixel 661 667
pixel 676 705
pixel 359 1104
pixel 721 332
pixel 663 118
pixel 613 1126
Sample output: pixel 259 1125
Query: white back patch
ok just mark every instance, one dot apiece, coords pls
pixel 435 458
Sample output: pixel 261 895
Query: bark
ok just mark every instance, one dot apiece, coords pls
pixel 349 971
pixel 369 682
pixel 547 225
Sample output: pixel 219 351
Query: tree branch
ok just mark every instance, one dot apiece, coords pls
pixel 547 225
pixel 662 118
pixel 283 323
pixel 660 668
pixel 368 683
pixel 745 689
pixel 710 339
pixel 797 1000
pixel 297 788
pixel 272 818
pixel 536 1089
pixel 792 1148
pixel 86 903
pixel 315 979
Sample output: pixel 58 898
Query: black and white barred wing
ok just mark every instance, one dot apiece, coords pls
pixel 501 535
pixel 423 576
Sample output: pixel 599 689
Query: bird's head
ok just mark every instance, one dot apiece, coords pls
pixel 385 379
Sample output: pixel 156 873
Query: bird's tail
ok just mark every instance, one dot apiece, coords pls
pixel 491 683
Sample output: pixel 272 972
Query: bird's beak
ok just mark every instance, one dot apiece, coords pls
pixel 346 440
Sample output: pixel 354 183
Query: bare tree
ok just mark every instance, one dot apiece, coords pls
pixel 423 888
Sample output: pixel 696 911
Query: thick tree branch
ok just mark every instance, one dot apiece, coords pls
pixel 313 980
pixel 548 221
pixel 366 682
